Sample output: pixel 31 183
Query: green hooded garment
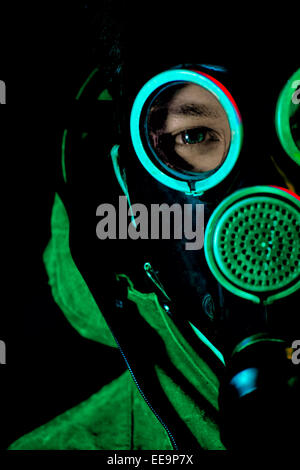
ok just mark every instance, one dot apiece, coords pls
pixel 119 417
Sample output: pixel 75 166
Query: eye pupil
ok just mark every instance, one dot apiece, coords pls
pixel 193 136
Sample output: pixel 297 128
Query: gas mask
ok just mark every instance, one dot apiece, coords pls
pixel 187 132
pixel 189 143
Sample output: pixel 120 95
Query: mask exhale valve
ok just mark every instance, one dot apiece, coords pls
pixel 252 243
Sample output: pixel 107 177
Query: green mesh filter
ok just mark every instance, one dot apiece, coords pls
pixel 252 243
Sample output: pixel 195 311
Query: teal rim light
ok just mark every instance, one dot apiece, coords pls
pixel 167 78
pixel 254 339
pixel 282 118
pixel 206 341
pixel 252 243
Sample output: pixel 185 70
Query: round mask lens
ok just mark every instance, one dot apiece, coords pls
pixel 186 130
pixel 287 118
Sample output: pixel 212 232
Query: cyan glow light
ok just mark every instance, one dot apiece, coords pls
pixel 206 341
pixel 209 83
pixel 245 381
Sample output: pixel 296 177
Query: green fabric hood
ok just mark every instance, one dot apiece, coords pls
pixel 68 287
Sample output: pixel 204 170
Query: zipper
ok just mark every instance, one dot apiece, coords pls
pixel 152 275
pixel 173 442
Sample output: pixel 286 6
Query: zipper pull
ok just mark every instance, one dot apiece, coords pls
pixel 152 275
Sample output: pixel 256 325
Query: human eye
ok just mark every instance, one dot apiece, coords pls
pixel 197 135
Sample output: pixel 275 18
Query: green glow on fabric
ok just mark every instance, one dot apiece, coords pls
pixel 201 423
pixel 68 287
pixel 117 417
pixel 113 418
pixel 284 110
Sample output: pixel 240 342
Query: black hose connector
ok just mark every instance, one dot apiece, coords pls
pixel 259 397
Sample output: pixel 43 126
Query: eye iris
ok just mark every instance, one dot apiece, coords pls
pixel 194 136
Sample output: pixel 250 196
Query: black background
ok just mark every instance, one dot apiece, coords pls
pixel 50 368
pixel 45 56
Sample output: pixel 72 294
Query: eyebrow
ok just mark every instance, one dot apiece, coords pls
pixel 194 109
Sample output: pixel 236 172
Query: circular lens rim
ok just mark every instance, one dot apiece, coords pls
pixel 282 118
pixel 187 185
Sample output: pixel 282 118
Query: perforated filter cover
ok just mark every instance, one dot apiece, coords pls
pixel 254 244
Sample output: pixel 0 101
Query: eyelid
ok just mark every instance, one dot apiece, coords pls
pixel 211 132
pixel 189 128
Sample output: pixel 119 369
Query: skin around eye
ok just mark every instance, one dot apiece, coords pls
pixel 202 156
pixel 192 128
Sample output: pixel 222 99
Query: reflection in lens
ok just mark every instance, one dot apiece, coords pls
pixel 188 128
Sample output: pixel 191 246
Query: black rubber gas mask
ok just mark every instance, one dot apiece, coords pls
pixel 187 132
pixel 224 260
